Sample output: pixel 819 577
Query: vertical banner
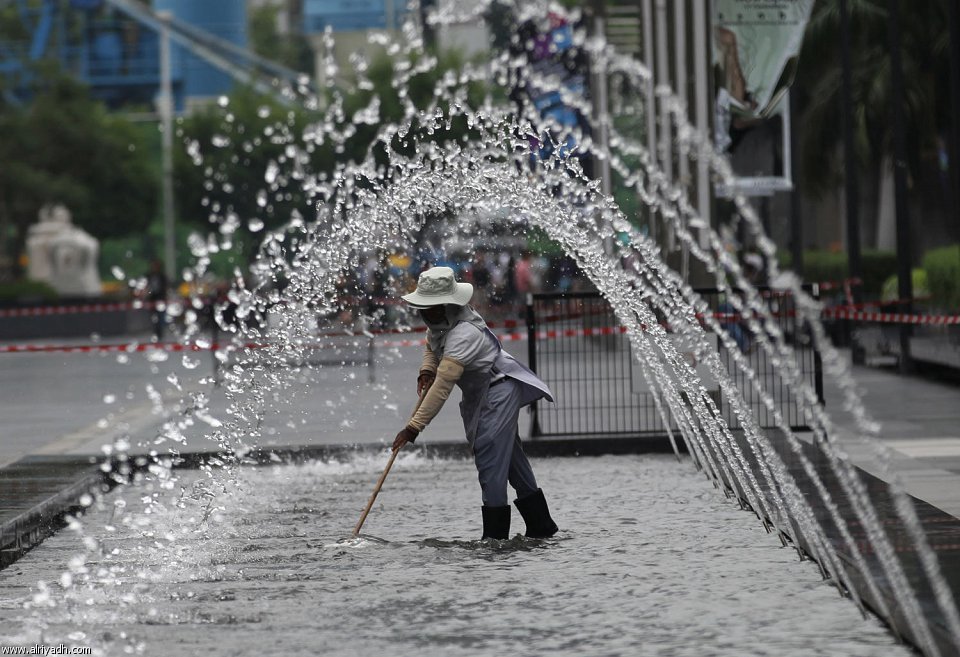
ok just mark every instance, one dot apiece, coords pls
pixel 755 50
pixel 558 67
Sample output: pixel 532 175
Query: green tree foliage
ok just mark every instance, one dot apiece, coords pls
pixel 819 266
pixel 943 276
pixel 226 154
pixel 291 50
pixel 66 148
pixel 254 158
pixel 925 63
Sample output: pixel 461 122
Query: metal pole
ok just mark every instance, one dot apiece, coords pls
pixel 647 18
pixel 904 255
pixel 166 120
pixel 953 20
pixel 680 75
pixel 532 361
pixel 796 224
pixel 680 40
pixel 601 100
pixel 602 109
pixel 702 92
pixel 666 131
pixel 851 172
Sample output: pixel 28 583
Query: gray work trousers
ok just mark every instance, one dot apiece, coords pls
pixel 496 449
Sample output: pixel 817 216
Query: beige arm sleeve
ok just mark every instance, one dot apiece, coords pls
pixel 448 373
pixel 430 362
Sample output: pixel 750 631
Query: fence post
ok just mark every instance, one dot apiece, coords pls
pixel 817 361
pixel 371 361
pixel 532 361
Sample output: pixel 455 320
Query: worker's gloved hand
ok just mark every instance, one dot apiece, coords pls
pixel 424 381
pixel 406 435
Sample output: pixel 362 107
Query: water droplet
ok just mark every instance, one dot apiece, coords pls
pixel 270 175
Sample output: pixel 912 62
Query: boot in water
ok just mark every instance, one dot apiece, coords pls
pixel 496 522
pixel 535 513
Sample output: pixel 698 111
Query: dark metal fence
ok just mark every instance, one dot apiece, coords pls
pixel 577 346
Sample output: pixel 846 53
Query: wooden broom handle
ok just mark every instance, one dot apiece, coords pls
pixel 383 477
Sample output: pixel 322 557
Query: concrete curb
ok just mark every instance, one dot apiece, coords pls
pixel 458 449
pixel 37 494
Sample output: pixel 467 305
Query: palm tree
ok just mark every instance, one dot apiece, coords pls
pixel 925 63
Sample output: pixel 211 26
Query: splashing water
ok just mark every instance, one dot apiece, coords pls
pixel 461 156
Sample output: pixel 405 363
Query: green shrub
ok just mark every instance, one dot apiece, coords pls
pixel 875 268
pixel 943 276
pixel 891 288
pixel 27 291
pixel 818 266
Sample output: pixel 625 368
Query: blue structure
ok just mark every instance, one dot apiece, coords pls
pixel 117 55
pixel 351 15
pixel 226 19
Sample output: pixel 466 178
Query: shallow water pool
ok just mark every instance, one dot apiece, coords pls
pixel 651 559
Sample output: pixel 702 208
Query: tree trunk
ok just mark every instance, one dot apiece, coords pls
pixel 6 259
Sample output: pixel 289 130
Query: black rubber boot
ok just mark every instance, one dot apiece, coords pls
pixel 496 522
pixel 535 513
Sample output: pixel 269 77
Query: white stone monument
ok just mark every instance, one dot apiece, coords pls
pixel 62 254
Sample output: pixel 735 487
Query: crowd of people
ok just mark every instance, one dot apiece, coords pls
pixel 501 279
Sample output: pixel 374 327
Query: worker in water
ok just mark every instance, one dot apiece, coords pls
pixel 461 350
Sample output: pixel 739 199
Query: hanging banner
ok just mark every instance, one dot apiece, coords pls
pixel 756 44
pixel 552 54
pixel 755 49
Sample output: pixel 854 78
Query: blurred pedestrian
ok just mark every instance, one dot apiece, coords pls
pixel 523 275
pixel 461 350
pixel 510 283
pixel 158 288
pixel 480 275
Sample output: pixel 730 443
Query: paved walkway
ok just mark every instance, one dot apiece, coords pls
pixel 920 423
pixel 71 404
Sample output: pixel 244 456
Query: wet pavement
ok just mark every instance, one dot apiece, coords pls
pixel 680 571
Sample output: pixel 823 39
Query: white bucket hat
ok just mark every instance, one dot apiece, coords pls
pixel 438 286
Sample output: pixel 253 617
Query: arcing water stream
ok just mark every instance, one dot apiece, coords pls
pixel 463 155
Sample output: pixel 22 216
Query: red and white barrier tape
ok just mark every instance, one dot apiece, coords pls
pixel 551 334
pixel 134 347
pixel 43 311
pixel 178 347
pixel 892 318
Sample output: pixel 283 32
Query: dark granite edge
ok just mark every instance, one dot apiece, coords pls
pixel 898 624
pixel 29 528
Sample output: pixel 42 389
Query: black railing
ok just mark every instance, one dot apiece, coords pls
pixel 578 347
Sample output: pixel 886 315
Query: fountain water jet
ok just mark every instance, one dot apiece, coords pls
pixel 408 174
